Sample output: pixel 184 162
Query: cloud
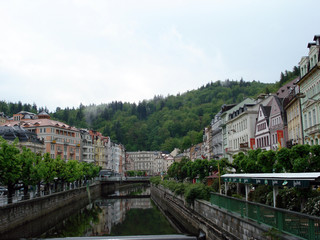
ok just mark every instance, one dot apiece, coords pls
pixel 63 53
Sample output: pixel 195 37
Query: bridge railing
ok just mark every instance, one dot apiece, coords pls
pixel 297 224
pixel 117 178
pixel 19 196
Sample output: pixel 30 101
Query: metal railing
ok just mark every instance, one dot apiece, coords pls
pixel 298 224
pixel 123 179
pixel 19 196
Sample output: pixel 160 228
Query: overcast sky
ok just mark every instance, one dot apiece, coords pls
pixel 61 53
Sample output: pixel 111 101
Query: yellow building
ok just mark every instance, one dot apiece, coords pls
pixel 293 111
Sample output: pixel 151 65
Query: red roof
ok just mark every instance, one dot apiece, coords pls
pixel 40 123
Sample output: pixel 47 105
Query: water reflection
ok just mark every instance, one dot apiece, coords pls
pixel 134 216
pixel 140 190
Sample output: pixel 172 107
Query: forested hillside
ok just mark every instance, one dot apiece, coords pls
pixel 161 123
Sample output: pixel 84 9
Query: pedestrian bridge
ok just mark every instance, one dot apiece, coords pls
pixel 116 179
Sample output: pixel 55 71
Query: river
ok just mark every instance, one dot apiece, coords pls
pixel 126 213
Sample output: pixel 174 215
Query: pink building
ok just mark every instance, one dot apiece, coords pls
pixel 59 138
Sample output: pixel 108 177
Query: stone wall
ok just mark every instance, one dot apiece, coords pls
pixel 215 222
pixel 16 214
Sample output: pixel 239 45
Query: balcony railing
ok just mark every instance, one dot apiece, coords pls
pixel 297 224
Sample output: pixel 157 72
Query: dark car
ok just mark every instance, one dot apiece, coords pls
pixel 3 191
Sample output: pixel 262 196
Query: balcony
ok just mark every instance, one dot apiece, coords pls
pixel 244 145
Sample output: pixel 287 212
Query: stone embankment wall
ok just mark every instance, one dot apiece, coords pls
pixel 215 222
pixel 16 214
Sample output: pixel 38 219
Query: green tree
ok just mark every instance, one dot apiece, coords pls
pixel 27 161
pixel 10 166
pixel 266 159
pixel 283 161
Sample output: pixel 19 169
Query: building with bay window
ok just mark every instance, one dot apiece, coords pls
pixel 309 84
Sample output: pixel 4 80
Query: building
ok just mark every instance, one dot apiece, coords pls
pixel 3 118
pixel 238 125
pixel 162 162
pixel 309 84
pixel 293 112
pixel 87 149
pixel 217 136
pixel 207 140
pixel 59 138
pixel 98 149
pixel 26 138
pixel 262 130
pixel 144 160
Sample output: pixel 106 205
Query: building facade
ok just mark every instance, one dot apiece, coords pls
pixel 87 149
pixel 262 131
pixel 3 118
pixel 144 161
pixel 59 138
pixel 309 84
pixel 26 138
pixel 293 111
pixel 238 127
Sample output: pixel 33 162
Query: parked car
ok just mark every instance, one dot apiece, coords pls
pixel 3 191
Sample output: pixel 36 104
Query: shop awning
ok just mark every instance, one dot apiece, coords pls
pixel 275 179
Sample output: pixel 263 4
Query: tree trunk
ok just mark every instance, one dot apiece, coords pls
pixel 25 192
pixel 10 193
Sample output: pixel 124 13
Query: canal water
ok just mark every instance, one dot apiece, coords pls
pixel 125 213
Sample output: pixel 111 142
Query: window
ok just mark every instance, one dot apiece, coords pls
pixel 314 116
pixel 305 121
pixel 310 121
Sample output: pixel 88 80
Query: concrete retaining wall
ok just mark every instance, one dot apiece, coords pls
pixel 16 214
pixel 215 222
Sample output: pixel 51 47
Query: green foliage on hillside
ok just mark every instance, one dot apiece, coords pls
pixel 161 123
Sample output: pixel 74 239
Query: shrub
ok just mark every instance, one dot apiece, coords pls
pixel 237 196
pixel 215 185
pixel 196 191
pixel 180 189
pixel 288 199
pixel 155 180
pixel 312 206
pixel 260 194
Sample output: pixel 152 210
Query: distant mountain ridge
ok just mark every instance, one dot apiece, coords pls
pixel 161 123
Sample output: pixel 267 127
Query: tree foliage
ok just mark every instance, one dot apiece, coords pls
pixel 25 168
pixel 300 158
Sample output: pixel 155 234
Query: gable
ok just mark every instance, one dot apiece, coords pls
pixel 309 103
pixel 275 107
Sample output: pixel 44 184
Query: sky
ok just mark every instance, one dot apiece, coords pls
pixel 65 52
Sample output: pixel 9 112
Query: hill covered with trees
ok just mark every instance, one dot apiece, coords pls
pixel 161 123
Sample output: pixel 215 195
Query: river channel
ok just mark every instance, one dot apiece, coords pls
pixel 127 212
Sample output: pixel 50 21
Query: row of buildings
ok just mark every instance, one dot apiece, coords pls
pixel 42 134
pixel 290 116
pixel 272 121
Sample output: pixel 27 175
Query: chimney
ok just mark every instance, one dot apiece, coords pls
pixel 317 39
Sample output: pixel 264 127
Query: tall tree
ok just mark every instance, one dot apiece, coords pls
pixel 10 166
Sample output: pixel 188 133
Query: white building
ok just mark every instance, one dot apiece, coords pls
pixel 143 160
pixel 262 131
pixel 238 127
pixel 87 148
pixel 310 87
